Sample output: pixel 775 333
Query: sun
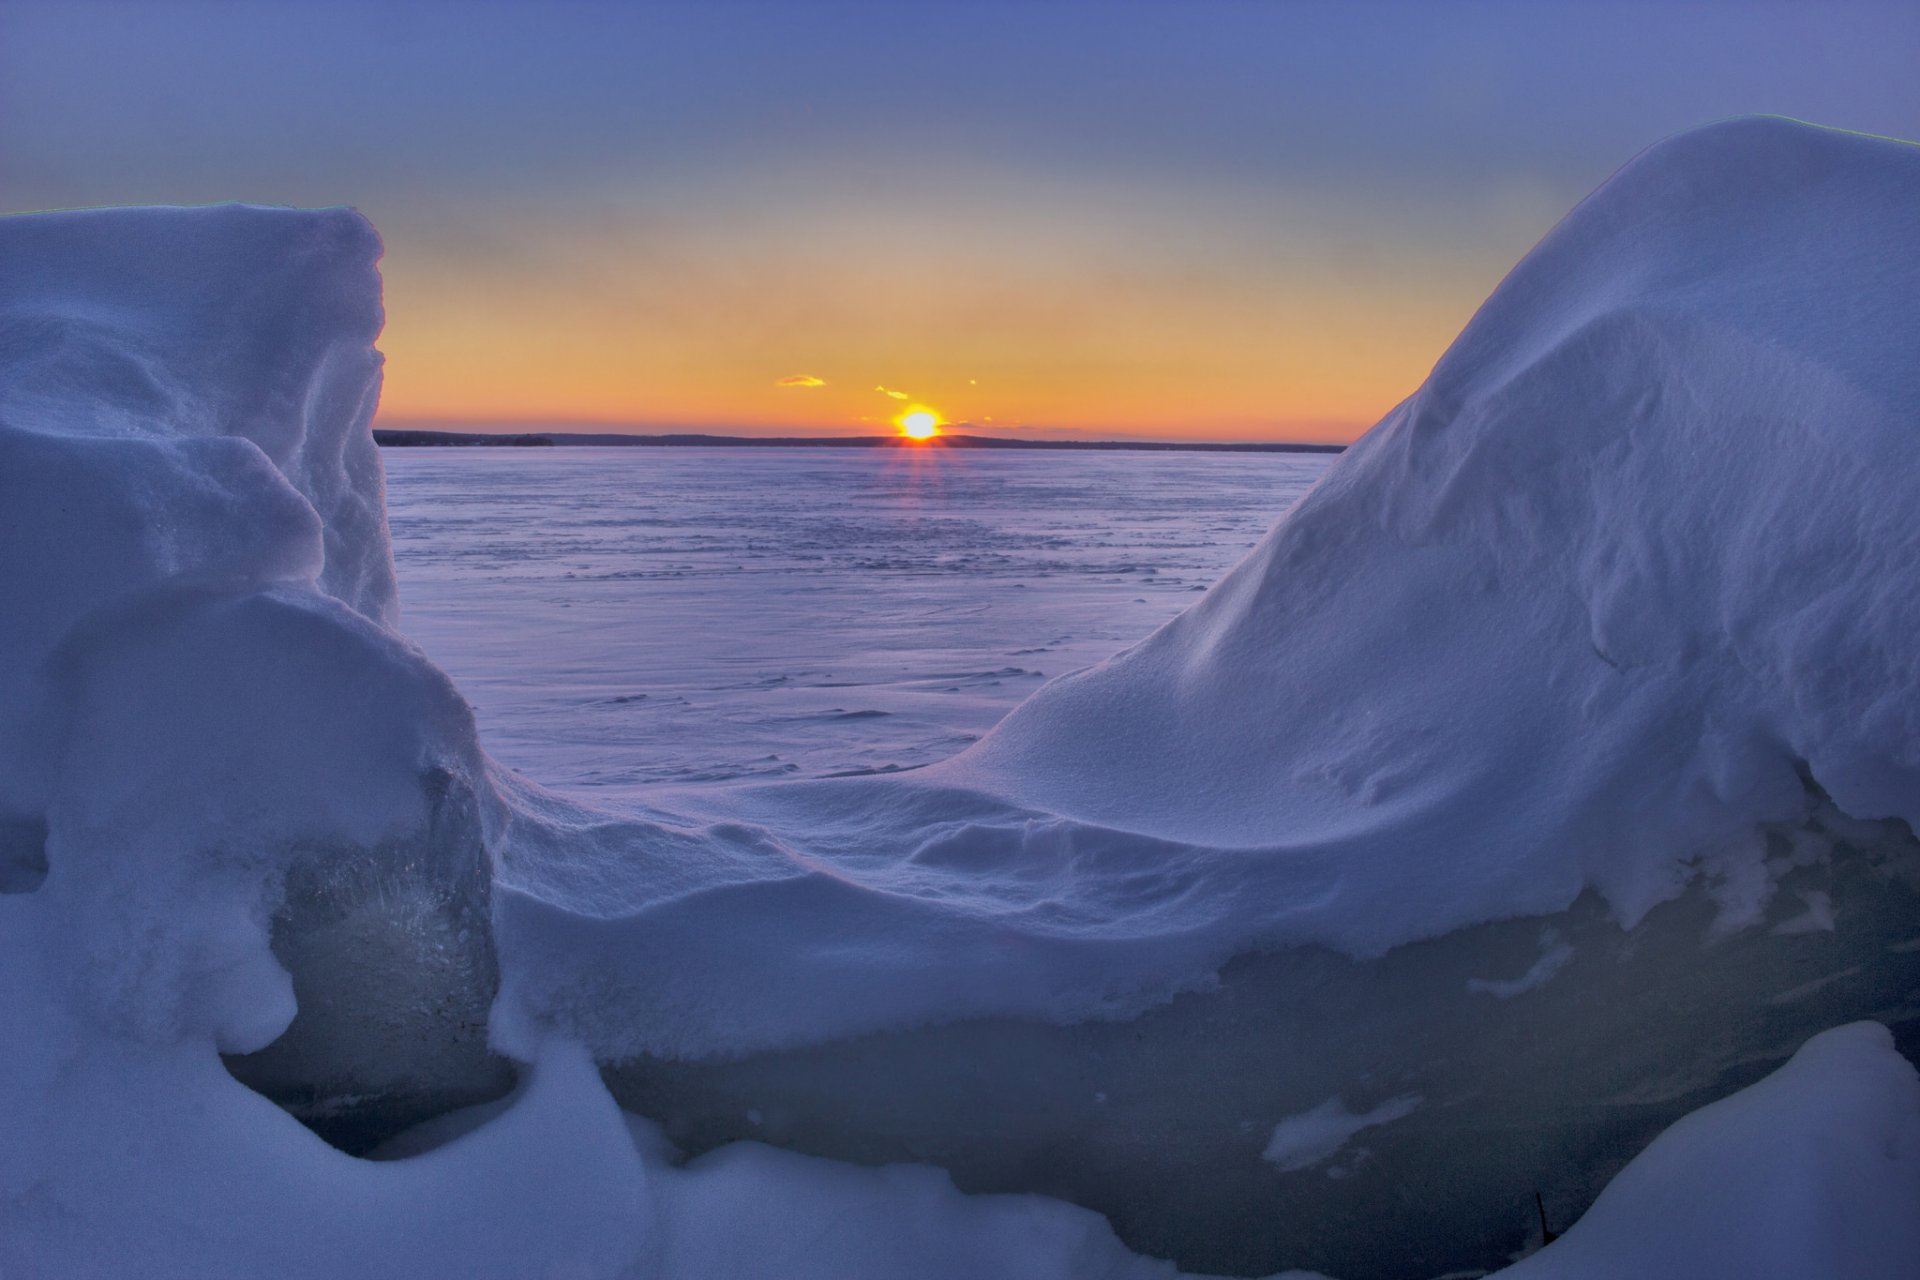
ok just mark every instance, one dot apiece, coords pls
pixel 918 423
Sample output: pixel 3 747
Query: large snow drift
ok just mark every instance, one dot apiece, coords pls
pixel 1467 833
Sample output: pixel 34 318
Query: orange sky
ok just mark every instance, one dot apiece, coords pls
pixel 1059 309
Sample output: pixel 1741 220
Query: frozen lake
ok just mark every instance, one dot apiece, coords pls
pixel 621 618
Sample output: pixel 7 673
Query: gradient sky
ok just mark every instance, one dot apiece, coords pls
pixel 1179 219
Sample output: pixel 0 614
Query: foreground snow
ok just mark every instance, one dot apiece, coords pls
pixel 1814 1171
pixel 1471 830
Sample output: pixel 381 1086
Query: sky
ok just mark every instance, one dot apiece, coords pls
pixel 1174 220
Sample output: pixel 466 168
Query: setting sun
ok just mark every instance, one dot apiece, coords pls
pixel 919 423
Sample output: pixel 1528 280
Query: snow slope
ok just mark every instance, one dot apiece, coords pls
pixel 1492 778
pixel 1811 1172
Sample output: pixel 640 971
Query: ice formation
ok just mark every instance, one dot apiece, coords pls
pixel 1551 763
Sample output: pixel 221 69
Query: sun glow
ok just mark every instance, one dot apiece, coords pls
pixel 918 423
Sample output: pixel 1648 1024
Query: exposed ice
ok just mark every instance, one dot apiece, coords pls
pixel 1608 631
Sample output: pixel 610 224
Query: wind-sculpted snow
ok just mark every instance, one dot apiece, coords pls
pixel 1546 773
pixel 172 339
pixel 1574 611
pixel 207 733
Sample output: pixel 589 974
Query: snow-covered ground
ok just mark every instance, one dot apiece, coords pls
pixel 625 618
pixel 1544 775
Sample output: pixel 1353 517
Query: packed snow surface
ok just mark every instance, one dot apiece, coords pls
pixel 1601 643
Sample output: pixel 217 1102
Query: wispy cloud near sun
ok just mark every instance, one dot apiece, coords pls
pixel 801 380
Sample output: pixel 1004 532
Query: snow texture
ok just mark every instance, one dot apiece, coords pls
pixel 1600 609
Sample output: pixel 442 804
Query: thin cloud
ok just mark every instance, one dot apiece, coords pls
pixel 897 395
pixel 801 380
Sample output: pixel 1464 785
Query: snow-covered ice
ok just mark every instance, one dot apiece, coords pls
pixel 1584 681
pixel 625 619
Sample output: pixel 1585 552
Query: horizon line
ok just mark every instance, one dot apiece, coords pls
pixel 1345 433
pixel 415 437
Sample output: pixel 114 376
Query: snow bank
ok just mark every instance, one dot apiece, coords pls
pixel 751 1211
pixel 1814 1171
pixel 173 437
pixel 1496 776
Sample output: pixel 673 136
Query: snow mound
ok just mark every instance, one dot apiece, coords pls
pixel 1814 1171
pixel 1576 609
pixel 1573 612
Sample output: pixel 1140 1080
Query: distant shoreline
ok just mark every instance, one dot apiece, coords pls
pixel 401 438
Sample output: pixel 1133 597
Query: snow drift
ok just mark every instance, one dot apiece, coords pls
pixel 1546 773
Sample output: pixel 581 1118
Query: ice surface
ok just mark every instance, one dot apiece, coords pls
pixel 1607 631
pixel 624 619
